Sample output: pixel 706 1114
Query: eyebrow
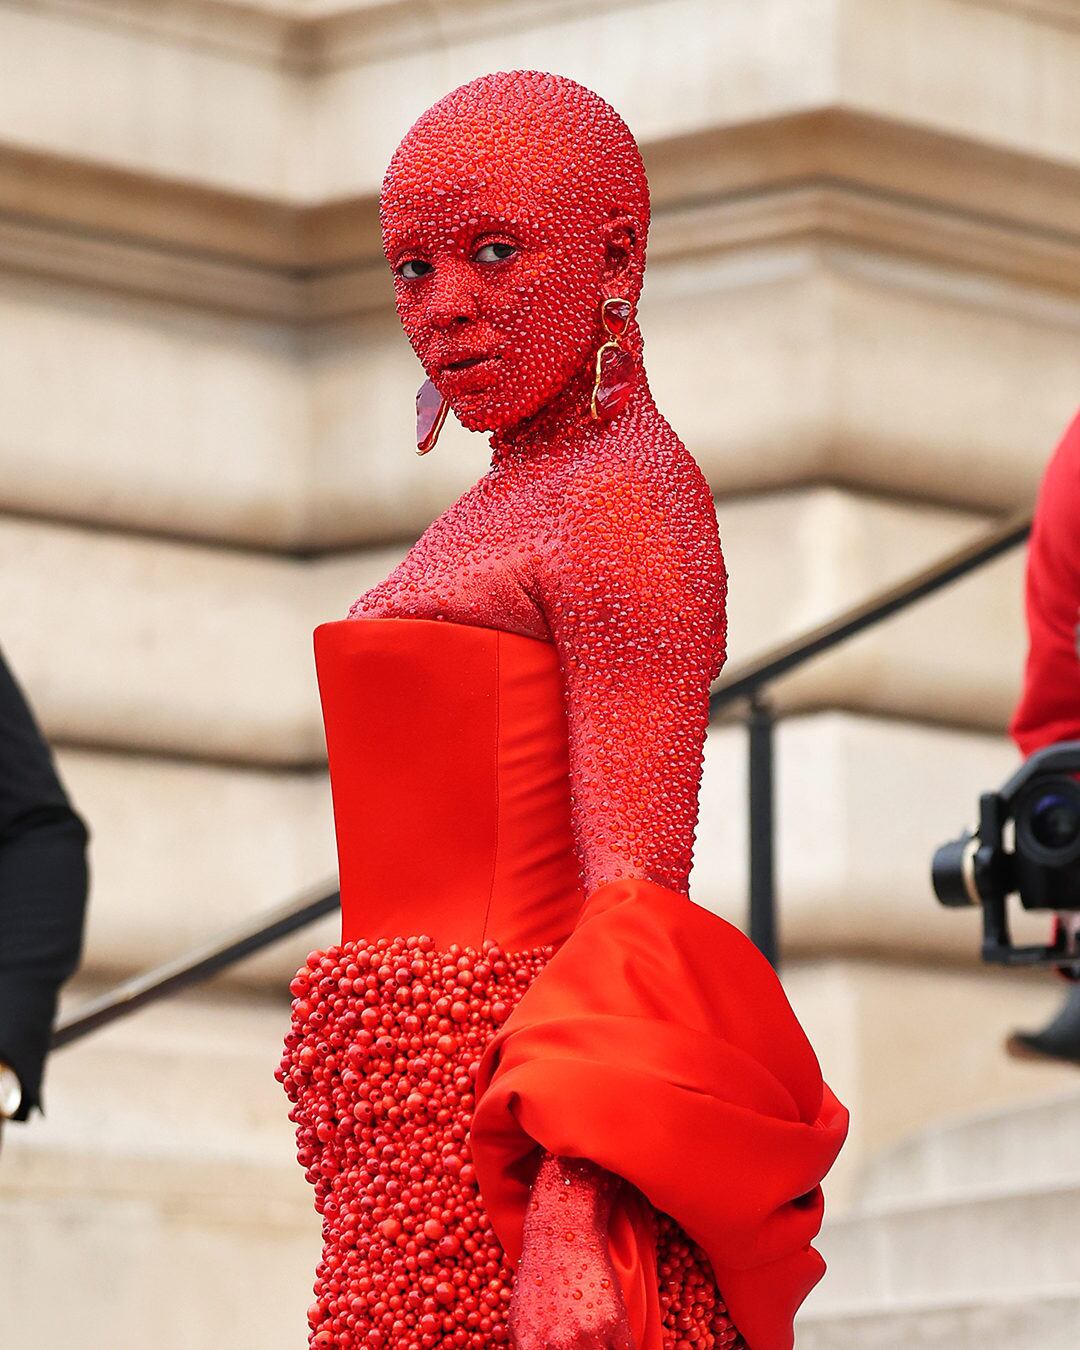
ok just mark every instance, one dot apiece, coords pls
pixel 411 235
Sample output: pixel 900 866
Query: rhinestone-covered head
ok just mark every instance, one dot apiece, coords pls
pixel 512 209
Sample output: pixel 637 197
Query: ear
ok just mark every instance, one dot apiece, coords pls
pixel 622 266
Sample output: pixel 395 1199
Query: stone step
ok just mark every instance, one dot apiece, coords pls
pixel 908 1048
pixel 161 1192
pixel 989 1244
pixel 215 644
pixel 136 1271
pixel 1042 1322
pixel 1031 1145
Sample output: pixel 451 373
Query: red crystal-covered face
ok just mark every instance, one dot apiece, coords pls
pixel 511 210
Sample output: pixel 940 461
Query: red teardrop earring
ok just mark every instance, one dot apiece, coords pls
pixel 614 382
pixel 431 410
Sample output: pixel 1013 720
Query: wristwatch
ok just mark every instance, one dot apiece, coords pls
pixel 10 1091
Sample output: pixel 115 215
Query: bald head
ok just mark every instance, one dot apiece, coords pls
pixel 512 208
pixel 534 143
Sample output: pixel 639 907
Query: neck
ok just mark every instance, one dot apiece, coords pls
pixel 566 421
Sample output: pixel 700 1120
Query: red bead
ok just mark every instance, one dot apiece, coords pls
pixel 382 1130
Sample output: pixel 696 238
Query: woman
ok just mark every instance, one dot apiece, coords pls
pixel 574 1074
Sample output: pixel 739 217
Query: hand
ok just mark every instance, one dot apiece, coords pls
pixel 566 1294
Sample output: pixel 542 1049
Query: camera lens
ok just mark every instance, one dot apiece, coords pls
pixel 1055 820
pixel 1048 821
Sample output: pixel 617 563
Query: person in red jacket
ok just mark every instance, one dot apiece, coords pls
pixel 1049 708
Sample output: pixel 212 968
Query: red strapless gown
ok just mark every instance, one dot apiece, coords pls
pixel 630 1027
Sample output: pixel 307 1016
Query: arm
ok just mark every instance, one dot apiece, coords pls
pixel 1049 707
pixel 565 1283
pixel 635 604
pixel 636 611
pixel 42 891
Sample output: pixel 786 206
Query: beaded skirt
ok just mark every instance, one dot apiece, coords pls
pixel 380 1065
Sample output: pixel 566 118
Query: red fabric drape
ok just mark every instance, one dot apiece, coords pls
pixel 659 1043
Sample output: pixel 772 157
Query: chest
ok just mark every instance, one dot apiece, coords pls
pixel 475 564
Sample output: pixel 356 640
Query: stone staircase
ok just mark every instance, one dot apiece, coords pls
pixel 965 1236
pixel 159 1202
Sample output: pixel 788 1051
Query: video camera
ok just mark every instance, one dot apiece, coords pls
pixel 1027 843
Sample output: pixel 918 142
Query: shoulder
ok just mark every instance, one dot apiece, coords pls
pixel 640 520
pixel 1063 471
pixel 658 494
pixel 1057 511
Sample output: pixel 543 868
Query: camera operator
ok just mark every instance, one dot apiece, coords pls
pixel 1049 707
pixel 43 882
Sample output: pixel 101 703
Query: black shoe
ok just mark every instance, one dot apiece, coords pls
pixel 1059 1041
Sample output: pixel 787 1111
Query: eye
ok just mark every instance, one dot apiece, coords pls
pixel 492 253
pixel 413 269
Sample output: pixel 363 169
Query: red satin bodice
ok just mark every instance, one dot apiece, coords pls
pixel 448 765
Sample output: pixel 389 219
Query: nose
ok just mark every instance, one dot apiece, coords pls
pixel 452 298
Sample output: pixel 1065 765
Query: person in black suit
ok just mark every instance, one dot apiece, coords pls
pixel 43 883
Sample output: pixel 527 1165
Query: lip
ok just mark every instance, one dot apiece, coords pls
pixel 458 362
pixel 468 374
pixel 466 363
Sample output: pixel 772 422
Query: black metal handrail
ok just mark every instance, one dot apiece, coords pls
pixel 750 683
pixel 240 941
pixel 747 684
pixel 746 681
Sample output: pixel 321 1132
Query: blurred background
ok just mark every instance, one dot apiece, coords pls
pixel 862 314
